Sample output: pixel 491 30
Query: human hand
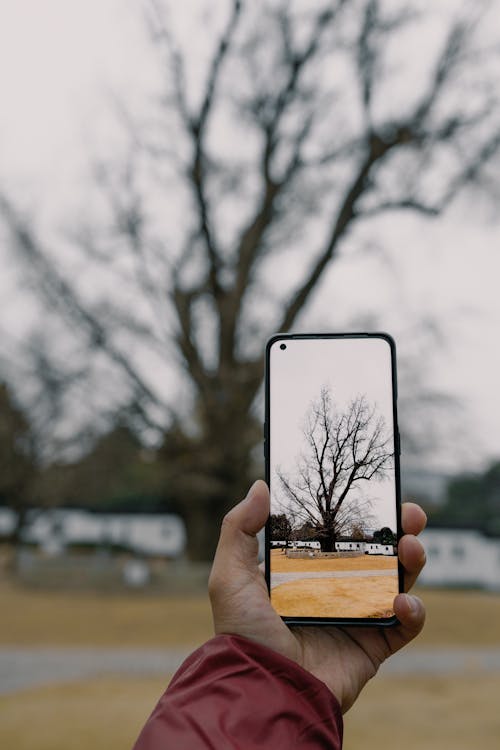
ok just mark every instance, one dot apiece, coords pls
pixel 344 658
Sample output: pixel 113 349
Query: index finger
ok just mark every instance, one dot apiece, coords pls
pixel 413 518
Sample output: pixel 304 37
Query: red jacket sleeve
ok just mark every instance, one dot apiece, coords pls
pixel 234 694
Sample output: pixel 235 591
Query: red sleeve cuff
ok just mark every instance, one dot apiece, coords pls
pixel 234 694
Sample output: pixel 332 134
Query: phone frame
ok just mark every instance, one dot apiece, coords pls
pixel 369 621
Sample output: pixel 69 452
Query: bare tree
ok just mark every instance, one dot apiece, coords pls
pixel 290 139
pixel 342 450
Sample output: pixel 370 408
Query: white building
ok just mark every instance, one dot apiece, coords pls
pixel 350 546
pixel 363 548
pixel 460 557
pixel 7 522
pixel 374 548
pixel 295 545
pixel 161 535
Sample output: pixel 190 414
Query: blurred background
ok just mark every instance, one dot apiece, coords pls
pixel 177 183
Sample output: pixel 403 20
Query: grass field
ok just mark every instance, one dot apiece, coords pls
pixel 437 713
pixel 280 563
pixel 335 597
pixel 330 597
pixel 36 618
pixel 106 714
pixel 53 618
pixel 431 713
pixel 102 714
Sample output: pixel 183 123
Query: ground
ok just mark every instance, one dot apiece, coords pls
pixel 452 711
pixel 340 588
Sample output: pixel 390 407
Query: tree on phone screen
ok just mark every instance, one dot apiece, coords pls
pixel 343 450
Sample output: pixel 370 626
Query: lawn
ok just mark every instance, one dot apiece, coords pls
pixel 135 619
pixel 107 713
pixel 36 618
pixel 435 713
pixel 337 597
pixel 426 713
pixel 280 563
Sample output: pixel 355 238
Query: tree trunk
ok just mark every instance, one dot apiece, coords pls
pixel 207 475
pixel 211 497
pixel 328 540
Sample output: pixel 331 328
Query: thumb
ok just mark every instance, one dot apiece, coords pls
pixel 410 612
pixel 238 545
pixel 250 514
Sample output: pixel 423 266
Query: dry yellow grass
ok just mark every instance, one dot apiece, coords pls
pixel 337 597
pixel 107 714
pixel 469 618
pixel 435 713
pixel 280 563
pixel 49 618
pixel 36 618
pixel 426 713
pixel 102 714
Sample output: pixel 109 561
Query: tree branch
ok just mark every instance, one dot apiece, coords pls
pixel 377 148
pixel 182 301
pixel 197 129
pixel 59 290
pixel 250 243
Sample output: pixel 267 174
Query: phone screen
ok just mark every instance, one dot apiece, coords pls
pixel 332 462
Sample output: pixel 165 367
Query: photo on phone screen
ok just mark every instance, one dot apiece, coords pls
pixel 333 472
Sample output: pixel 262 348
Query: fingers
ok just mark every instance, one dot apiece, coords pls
pixel 237 550
pixel 410 550
pixel 412 556
pixel 410 612
pixel 413 518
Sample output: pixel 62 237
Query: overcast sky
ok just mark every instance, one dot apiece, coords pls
pixel 59 59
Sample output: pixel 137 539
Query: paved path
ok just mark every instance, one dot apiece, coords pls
pixel 23 668
pixel 279 578
pixel 443 660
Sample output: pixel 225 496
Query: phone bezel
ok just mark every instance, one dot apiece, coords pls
pixel 370 621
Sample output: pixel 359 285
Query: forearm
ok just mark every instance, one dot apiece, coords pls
pixel 233 694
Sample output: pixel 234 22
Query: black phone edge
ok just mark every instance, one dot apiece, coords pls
pixel 340 621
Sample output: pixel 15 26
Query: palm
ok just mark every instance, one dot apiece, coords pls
pixel 343 658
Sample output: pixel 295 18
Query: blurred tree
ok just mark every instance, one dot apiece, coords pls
pixel 116 474
pixel 473 499
pixel 18 466
pixel 289 126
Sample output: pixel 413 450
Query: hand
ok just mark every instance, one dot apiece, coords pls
pixel 344 658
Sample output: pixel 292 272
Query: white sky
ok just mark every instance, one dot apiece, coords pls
pixel 349 368
pixel 58 58
pixel 58 61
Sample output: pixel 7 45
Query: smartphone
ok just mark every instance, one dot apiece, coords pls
pixel 332 464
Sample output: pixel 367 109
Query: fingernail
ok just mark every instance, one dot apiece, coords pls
pixel 251 490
